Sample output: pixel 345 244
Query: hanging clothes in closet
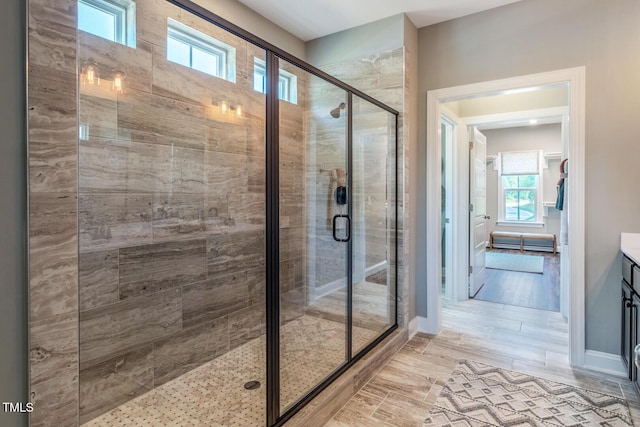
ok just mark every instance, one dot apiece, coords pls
pixel 562 202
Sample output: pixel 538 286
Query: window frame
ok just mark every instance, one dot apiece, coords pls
pixel 287 82
pixel 224 53
pixel 503 194
pixel 124 13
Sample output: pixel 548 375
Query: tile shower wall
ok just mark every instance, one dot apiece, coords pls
pixel 53 151
pixel 293 207
pixel 170 266
pixel 326 144
pixel 380 76
pixel 373 184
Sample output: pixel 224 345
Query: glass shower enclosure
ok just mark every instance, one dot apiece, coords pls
pixel 237 224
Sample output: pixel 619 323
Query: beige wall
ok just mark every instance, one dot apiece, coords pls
pixel 533 36
pixel 544 137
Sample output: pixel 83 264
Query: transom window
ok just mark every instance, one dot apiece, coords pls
pixel 110 19
pixel 520 198
pixel 287 82
pixel 193 49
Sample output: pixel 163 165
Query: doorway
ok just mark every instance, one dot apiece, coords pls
pixel 573 265
pixel 522 172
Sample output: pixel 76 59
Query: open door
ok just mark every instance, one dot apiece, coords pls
pixel 477 210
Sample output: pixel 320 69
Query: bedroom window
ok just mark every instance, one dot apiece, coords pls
pixel 520 197
pixel 193 49
pixel 287 82
pixel 113 20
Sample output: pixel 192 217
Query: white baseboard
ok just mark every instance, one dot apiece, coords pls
pixel 375 268
pixel 605 363
pixel 421 324
pixel 413 327
pixel 328 288
pixel 597 361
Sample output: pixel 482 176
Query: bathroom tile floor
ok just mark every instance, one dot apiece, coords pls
pixel 521 339
pixel 214 394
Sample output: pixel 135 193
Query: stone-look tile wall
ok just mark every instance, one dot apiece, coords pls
pixel 327 152
pixel 326 145
pixel 171 213
pixel 147 237
pixel 53 240
pixel 293 207
pixel 374 166
pixel 382 77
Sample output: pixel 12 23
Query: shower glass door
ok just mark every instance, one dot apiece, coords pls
pixel 314 232
pixel 373 150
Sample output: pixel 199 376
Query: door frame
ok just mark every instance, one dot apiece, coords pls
pixel 459 196
pixel 450 290
pixel 575 78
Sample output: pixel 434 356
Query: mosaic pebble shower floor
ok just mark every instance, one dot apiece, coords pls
pixel 214 393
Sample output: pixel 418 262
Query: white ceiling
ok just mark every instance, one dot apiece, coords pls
pixel 310 19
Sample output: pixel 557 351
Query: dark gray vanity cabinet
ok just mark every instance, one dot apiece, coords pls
pixel 635 327
pixel 629 318
pixel 626 349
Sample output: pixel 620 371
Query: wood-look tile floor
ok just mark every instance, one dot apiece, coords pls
pixel 532 290
pixel 516 338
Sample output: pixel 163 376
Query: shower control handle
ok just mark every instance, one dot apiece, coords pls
pixel 335 219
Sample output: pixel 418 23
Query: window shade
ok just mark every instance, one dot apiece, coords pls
pixel 520 163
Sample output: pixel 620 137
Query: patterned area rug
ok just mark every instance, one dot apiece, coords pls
pixel 515 262
pixel 483 395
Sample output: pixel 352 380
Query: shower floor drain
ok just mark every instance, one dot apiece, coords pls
pixel 252 385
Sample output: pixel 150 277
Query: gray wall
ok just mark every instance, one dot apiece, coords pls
pixel 533 36
pixel 13 354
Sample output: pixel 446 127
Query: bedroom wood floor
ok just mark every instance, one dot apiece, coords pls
pixel 533 290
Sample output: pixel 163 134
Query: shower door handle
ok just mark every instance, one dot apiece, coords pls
pixel 335 219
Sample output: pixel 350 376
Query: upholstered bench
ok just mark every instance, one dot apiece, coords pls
pixel 523 240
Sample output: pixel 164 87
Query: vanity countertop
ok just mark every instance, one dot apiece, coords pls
pixel 630 246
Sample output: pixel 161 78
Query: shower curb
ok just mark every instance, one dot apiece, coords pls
pixel 321 409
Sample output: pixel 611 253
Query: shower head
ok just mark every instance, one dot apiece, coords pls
pixel 335 113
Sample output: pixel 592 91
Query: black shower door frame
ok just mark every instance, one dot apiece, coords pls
pixel 274 417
